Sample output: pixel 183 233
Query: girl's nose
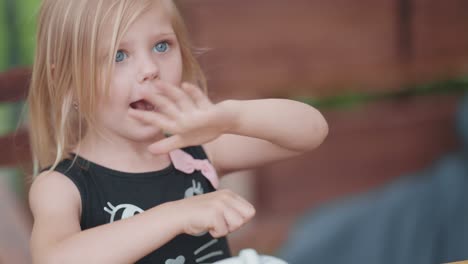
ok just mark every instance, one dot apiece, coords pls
pixel 149 71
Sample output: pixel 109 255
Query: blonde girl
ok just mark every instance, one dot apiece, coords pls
pixel 127 146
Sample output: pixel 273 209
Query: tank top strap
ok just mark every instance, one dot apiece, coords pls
pixel 196 152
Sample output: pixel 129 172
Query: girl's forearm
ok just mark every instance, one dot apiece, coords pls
pixel 286 123
pixel 124 241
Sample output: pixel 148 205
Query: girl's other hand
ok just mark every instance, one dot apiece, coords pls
pixel 220 213
pixel 185 113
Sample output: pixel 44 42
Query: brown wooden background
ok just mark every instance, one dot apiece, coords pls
pixel 266 48
pixel 324 47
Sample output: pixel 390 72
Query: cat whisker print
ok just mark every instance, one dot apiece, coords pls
pixel 181 259
pixel 209 255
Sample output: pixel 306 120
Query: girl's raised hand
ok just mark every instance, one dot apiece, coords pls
pixel 185 113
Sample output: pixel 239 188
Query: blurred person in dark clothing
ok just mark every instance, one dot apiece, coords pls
pixel 421 218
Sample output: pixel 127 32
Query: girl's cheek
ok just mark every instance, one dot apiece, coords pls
pixel 120 73
pixel 173 73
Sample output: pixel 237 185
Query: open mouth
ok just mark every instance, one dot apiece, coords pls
pixel 142 105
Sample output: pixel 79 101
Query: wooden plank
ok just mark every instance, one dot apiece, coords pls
pixel 321 47
pixel 262 48
pixel 439 43
pixel 15 150
pixel 439 29
pixel 14 84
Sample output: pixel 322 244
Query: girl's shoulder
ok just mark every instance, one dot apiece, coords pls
pixel 56 186
pixel 52 193
pixel 55 205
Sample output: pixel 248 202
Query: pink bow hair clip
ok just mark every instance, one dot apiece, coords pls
pixel 187 164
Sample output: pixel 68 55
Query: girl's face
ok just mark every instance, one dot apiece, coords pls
pixel 149 51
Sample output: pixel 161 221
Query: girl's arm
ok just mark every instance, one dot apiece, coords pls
pixel 57 237
pixel 263 131
pixel 237 134
pixel 290 124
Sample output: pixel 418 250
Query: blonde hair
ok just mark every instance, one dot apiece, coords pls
pixel 65 70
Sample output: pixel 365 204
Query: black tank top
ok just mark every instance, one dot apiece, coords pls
pixel 108 195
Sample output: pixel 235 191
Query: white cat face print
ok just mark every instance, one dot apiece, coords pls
pixel 122 211
pixel 202 254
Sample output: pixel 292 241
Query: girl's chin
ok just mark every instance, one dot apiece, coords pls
pixel 149 135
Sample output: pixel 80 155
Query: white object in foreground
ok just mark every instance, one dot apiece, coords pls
pixel 250 256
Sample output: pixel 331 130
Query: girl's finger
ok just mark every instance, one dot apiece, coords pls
pixel 219 227
pixel 233 219
pixel 200 99
pixel 177 95
pixel 154 118
pixel 166 145
pixel 162 104
pixel 243 207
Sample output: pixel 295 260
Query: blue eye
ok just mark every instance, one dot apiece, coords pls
pixel 161 47
pixel 120 56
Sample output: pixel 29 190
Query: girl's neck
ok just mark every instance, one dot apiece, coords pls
pixel 120 154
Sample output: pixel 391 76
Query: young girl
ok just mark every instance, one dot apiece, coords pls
pixel 130 147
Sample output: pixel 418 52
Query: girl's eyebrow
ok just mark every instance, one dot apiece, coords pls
pixel 155 36
pixel 164 34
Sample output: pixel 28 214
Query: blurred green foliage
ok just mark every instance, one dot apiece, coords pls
pixel 355 99
pixel 17 32
pixel 17 35
pixel 3 36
